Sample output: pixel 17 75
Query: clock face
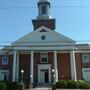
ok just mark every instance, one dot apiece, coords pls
pixel 43 37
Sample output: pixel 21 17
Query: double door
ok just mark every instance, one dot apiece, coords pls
pixel 44 76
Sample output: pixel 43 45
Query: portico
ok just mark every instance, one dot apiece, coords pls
pixel 44 70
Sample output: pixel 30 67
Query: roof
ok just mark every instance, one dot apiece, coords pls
pixel 83 46
pixel 51 38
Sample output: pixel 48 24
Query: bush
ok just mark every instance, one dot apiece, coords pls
pixel 61 84
pixel 3 86
pixel 14 85
pixel 72 84
pixel 83 85
pixel 81 81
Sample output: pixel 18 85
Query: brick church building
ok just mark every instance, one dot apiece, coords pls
pixel 44 55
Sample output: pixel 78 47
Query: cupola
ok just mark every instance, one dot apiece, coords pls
pixel 44 18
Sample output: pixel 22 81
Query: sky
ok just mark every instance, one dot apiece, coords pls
pixel 72 19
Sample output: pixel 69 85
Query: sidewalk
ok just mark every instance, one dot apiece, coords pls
pixel 56 89
pixel 39 89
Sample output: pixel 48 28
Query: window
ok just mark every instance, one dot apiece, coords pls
pixel 43 37
pixel 4 60
pixel 43 30
pixel 4 75
pixel 85 58
pixel 44 58
pixel 44 11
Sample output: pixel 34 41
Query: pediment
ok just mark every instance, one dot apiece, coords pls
pixel 43 36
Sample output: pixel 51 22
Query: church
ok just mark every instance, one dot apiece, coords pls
pixel 44 55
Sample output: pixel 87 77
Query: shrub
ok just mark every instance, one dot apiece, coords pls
pixel 14 85
pixel 83 85
pixel 72 84
pixel 61 84
pixel 3 86
pixel 81 81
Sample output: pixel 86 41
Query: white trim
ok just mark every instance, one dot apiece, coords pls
pixel 73 65
pixel 44 67
pixel 14 66
pixel 86 74
pixel 85 69
pixel 35 37
pixel 32 67
pixel 82 51
pixel 44 48
pixel 55 67
pixel 17 67
pixel 4 71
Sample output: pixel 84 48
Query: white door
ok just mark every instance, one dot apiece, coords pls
pixel 86 74
pixel 42 77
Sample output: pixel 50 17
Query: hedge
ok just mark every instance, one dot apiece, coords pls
pixel 70 84
pixel 83 85
pixel 61 84
pixel 3 86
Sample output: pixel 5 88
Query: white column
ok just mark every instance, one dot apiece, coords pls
pixel 73 66
pixel 17 67
pixel 14 67
pixel 32 67
pixel 55 66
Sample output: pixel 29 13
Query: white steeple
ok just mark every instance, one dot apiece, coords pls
pixel 43 9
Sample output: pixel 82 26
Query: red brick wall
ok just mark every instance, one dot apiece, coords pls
pixel 24 63
pixel 36 62
pixel 78 65
pixel 48 23
pixel 7 67
pixel 63 61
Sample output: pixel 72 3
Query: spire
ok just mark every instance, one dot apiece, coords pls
pixel 43 9
pixel 44 18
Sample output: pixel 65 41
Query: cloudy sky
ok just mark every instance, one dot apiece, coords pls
pixel 72 19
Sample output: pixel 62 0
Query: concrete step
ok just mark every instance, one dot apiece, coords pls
pixel 39 86
pixel 41 89
pixel 45 85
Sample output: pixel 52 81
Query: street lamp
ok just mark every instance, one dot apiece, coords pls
pixel 53 70
pixel 22 72
pixel 53 80
pixel 22 84
pixel 53 74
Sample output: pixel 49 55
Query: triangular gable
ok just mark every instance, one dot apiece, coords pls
pixel 38 36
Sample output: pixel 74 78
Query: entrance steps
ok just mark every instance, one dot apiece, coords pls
pixel 46 86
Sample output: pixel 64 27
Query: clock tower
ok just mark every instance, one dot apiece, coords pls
pixel 44 18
